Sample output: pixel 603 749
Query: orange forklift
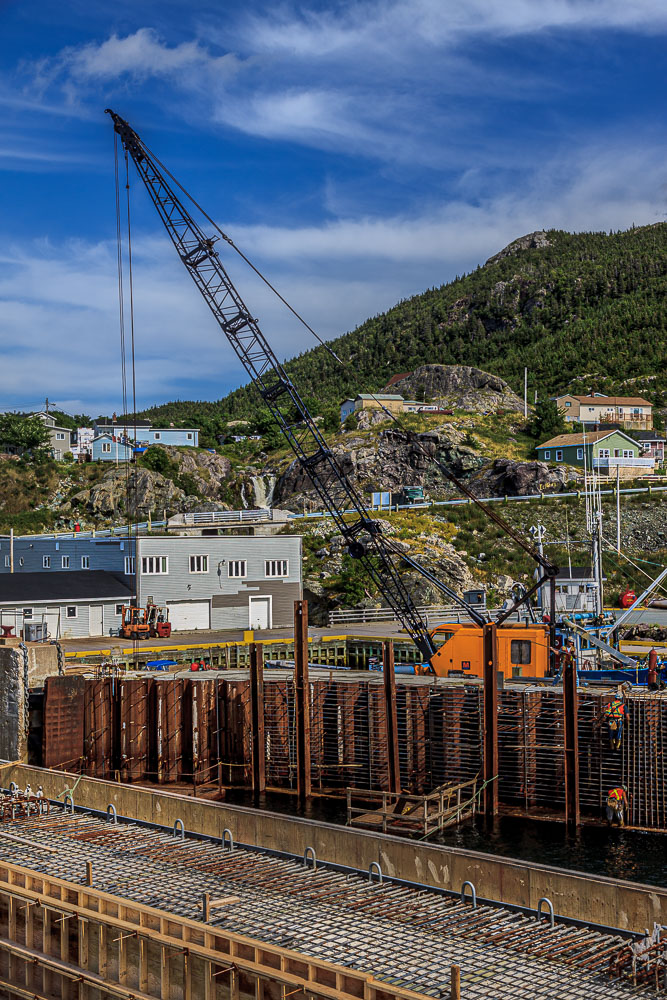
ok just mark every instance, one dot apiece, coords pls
pixel 134 624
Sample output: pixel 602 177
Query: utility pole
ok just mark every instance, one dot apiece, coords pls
pixel 46 406
pixel 618 509
pixel 525 393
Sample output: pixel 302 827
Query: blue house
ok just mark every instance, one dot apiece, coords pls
pixel 187 437
pixel 108 449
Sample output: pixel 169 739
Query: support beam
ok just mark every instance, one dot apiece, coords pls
pixel 571 739
pixel 390 715
pixel 490 773
pixel 302 690
pixel 257 718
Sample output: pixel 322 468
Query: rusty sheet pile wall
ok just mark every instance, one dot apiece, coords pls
pixel 199 729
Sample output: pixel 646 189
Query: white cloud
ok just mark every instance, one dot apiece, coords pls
pixel 142 54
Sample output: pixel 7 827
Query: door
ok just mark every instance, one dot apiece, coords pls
pixel 52 619
pixel 96 620
pixel 187 616
pixel 260 612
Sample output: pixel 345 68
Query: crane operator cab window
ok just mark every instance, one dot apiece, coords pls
pixel 520 655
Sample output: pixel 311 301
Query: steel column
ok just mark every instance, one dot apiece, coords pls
pixel 257 718
pixel 490 648
pixel 302 692
pixel 571 739
pixel 390 716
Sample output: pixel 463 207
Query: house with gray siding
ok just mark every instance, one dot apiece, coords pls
pixel 233 582
pixel 52 554
pixel 67 605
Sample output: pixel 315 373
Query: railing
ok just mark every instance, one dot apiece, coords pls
pixel 366 616
pixel 636 463
pixel 227 516
pixel 401 813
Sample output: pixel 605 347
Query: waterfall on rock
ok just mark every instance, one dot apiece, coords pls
pixel 263 487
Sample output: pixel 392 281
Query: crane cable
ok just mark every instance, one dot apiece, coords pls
pixel 130 481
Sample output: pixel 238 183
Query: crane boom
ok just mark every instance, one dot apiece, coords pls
pixel 363 535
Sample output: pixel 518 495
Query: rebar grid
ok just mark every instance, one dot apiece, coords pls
pixel 402 935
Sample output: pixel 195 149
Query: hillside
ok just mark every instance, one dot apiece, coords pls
pixel 580 310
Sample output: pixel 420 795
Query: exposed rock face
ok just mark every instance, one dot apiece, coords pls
pixel 395 459
pixel 208 471
pixel 459 387
pixel 533 241
pixel 149 492
pixel 509 478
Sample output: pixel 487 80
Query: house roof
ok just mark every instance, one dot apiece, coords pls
pixel 565 440
pixel 379 395
pixel 62 585
pixel 649 436
pixel 614 400
pixel 397 378
pixel 577 573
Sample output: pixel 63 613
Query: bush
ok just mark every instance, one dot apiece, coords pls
pixel 157 460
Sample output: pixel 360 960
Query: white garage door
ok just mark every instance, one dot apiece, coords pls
pixel 187 615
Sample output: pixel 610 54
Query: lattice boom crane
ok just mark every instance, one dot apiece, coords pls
pixel 363 535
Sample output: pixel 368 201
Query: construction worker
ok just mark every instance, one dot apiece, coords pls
pixel 614 716
pixel 617 805
pixel 652 675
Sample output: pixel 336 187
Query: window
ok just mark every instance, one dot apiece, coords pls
pixel 64 562
pixel 119 609
pixel 106 447
pixel 237 568
pixel 559 455
pixel 21 561
pixel 568 404
pixel 547 455
pixel 189 437
pixel 199 564
pixel 276 567
pixel 157 435
pixel 7 561
pixel 46 562
pixel 71 611
pixel 604 453
pixel 520 651
pixel 580 452
pixel 129 565
pixel 628 453
pixel 151 565
pixel 60 436
pixel 85 562
pixel 27 613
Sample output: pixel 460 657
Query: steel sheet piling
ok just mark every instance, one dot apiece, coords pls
pixel 302 697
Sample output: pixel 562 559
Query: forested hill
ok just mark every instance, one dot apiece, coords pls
pixel 565 305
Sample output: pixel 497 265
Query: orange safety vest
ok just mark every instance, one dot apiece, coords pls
pixel 616 793
pixel 615 709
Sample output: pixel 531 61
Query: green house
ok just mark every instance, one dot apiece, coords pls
pixel 605 452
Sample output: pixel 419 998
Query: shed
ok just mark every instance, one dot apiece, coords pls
pixel 68 604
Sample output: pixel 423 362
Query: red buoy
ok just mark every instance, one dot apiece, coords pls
pixel 628 598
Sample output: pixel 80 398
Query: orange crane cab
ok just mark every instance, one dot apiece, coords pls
pixel 134 624
pixel 523 650
pixel 157 617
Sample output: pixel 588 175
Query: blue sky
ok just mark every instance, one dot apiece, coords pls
pixel 358 152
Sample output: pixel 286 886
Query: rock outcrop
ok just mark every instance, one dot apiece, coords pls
pixel 396 458
pixel 459 387
pixel 532 241
pixel 209 471
pixel 149 492
pixel 509 478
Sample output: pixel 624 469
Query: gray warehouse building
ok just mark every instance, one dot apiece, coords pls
pixel 206 581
